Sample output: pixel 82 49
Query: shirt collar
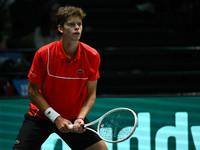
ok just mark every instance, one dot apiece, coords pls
pixel 63 55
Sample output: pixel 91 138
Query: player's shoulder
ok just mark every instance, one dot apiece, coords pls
pixel 88 49
pixel 44 49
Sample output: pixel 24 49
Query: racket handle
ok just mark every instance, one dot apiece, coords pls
pixel 71 126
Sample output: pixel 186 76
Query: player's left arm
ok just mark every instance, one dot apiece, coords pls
pixel 87 105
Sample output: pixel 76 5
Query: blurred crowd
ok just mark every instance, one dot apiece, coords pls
pixel 28 23
pixel 25 26
pixel 32 24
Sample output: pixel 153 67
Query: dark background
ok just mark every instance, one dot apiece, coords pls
pixel 147 47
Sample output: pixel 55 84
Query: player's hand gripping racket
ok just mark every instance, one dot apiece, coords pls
pixel 116 125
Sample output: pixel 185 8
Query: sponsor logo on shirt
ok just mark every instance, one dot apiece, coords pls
pixel 80 71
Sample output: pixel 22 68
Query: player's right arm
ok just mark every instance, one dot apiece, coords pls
pixel 38 100
pixel 36 97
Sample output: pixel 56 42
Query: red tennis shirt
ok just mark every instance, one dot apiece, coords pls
pixel 63 81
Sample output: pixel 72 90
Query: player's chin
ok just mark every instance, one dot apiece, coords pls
pixel 76 39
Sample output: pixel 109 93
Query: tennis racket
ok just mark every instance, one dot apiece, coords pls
pixel 116 125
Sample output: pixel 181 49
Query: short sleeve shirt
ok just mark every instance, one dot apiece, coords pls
pixel 63 81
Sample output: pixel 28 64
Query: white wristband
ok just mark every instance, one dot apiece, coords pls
pixel 51 114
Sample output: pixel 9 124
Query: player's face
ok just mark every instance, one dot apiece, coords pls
pixel 72 28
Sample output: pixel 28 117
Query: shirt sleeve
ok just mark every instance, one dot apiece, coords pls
pixel 94 67
pixel 37 70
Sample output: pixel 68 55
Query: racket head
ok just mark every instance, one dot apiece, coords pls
pixel 117 125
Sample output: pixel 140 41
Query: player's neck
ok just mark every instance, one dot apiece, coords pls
pixel 70 48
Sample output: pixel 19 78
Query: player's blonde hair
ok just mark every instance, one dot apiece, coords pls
pixel 65 12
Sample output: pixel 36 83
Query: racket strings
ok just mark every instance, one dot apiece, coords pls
pixel 117 125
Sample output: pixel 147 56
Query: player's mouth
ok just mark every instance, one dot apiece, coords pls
pixel 76 33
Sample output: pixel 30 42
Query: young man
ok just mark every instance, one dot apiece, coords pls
pixel 62 89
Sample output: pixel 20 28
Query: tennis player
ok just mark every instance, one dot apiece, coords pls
pixel 62 89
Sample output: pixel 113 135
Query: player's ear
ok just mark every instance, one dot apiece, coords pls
pixel 60 28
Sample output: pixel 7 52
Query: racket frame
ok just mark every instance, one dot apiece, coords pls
pixel 99 120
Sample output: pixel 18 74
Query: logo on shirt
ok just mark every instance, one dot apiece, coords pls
pixel 80 71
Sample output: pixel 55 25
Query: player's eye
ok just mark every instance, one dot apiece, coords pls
pixel 71 24
pixel 79 24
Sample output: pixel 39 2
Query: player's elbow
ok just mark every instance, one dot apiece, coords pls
pixel 33 91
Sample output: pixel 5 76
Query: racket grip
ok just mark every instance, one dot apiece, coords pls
pixel 71 125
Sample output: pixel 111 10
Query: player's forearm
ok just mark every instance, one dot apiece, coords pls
pixel 37 98
pixel 39 101
pixel 87 105
pixel 89 100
